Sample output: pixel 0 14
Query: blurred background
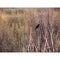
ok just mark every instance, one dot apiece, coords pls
pixel 29 30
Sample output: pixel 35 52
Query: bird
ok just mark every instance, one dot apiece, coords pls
pixel 37 26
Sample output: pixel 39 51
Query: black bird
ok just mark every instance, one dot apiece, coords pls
pixel 37 26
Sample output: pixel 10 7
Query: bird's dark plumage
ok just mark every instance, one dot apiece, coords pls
pixel 37 26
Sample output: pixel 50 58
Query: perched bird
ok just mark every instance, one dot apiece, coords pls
pixel 37 26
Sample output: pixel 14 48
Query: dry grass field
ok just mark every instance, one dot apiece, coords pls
pixel 29 30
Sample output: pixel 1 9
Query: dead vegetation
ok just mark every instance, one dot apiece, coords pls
pixel 18 31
